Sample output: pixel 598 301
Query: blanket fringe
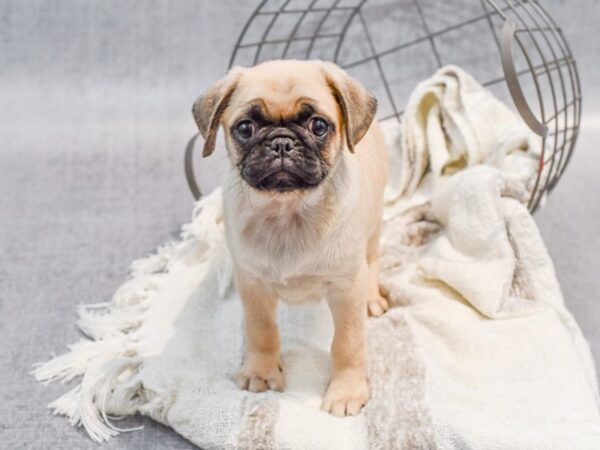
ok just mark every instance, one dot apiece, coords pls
pixel 110 356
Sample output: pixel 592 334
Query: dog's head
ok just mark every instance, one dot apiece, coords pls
pixel 286 122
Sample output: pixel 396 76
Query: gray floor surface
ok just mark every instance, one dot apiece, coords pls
pixel 94 114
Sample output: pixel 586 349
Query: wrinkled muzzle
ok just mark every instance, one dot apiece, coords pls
pixel 281 161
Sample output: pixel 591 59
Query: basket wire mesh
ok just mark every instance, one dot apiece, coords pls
pixel 513 47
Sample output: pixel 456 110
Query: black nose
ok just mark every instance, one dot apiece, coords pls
pixel 282 145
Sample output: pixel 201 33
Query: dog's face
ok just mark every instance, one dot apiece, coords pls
pixel 286 122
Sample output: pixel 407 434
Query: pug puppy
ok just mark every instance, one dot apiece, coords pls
pixel 303 201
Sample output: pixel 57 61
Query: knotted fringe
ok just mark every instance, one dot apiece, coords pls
pixel 109 358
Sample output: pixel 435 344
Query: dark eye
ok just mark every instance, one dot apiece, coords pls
pixel 245 129
pixel 318 126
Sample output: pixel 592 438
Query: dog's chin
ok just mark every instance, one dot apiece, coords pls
pixel 282 181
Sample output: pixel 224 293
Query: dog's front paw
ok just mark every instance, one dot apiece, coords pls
pixel 377 305
pixel 346 395
pixel 260 378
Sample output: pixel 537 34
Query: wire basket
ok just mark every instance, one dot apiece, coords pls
pixel 513 47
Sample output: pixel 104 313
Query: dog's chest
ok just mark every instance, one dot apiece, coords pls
pixel 297 258
pixel 289 264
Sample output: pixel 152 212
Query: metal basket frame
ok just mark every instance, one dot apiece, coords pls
pixel 526 29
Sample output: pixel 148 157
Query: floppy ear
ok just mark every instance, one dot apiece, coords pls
pixel 358 106
pixel 209 107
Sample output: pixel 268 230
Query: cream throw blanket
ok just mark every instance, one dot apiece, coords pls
pixel 478 351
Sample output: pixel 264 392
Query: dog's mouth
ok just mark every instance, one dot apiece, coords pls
pixel 282 175
pixel 282 181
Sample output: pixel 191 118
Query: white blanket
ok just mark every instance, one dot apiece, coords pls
pixel 477 352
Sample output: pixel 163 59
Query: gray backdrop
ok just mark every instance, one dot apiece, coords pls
pixel 94 114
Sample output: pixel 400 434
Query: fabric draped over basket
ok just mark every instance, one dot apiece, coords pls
pixel 478 350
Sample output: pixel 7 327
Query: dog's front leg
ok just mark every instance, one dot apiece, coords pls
pixel 348 390
pixel 261 369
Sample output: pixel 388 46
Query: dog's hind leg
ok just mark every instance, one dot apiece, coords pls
pixel 377 304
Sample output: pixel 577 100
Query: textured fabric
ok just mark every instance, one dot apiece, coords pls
pixel 91 178
pixel 470 280
pixel 451 123
pixel 503 358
